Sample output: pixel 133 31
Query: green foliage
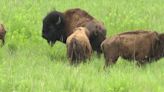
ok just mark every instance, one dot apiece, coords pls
pixel 29 64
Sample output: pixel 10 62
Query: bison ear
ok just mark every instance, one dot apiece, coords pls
pixel 58 21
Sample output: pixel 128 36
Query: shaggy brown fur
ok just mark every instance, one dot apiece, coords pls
pixel 143 46
pixel 98 34
pixel 57 26
pixel 78 46
pixel 2 33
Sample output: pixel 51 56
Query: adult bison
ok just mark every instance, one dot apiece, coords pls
pixel 78 46
pixel 142 46
pixel 2 33
pixel 57 26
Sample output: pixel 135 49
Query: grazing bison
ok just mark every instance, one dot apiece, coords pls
pixel 2 33
pixel 142 46
pixel 78 45
pixel 57 26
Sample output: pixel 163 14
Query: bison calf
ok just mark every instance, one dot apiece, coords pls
pixel 2 33
pixel 142 46
pixel 78 46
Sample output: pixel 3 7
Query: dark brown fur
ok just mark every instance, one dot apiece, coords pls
pixel 2 33
pixel 78 46
pixel 98 34
pixel 71 19
pixel 142 46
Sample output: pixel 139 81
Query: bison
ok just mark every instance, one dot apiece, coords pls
pixel 78 45
pixel 142 46
pixel 57 26
pixel 2 33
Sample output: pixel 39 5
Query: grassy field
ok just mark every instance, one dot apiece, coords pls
pixel 29 64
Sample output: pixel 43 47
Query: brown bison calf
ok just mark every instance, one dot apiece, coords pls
pixel 2 33
pixel 142 46
pixel 78 46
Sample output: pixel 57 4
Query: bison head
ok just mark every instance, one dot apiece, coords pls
pixel 53 25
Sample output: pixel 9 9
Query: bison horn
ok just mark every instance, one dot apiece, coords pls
pixel 59 21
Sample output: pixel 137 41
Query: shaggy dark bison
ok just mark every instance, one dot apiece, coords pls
pixel 78 46
pixel 142 46
pixel 57 26
pixel 2 33
pixel 98 34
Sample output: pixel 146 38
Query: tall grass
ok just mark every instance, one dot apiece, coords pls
pixel 29 64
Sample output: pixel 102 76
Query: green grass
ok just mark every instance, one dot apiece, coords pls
pixel 29 64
